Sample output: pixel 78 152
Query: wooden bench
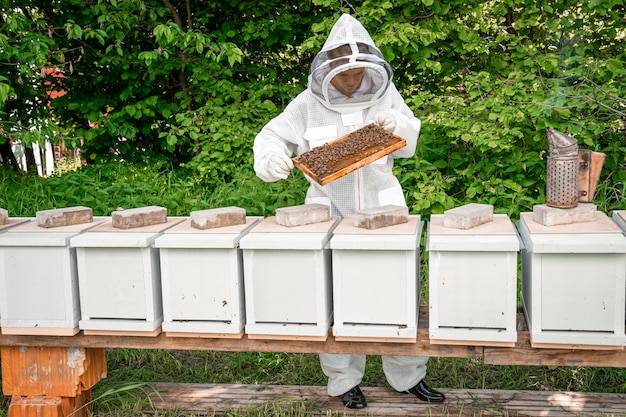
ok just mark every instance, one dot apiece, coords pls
pixel 73 383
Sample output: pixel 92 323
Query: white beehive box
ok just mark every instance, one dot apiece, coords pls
pixel 120 280
pixel 472 286
pixel 287 277
pixel 11 222
pixel 376 281
pixel 202 280
pixel 38 279
pixel 573 282
pixel 619 217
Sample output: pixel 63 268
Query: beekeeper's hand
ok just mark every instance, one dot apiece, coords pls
pixel 387 119
pixel 279 166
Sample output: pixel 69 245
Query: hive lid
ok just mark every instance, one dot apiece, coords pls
pixel 32 227
pixel 28 233
pixel 184 235
pixel 497 235
pixel 267 234
pixel 107 227
pixel 107 236
pixel 403 236
pixel 619 216
pixel 599 236
pixel 348 153
pixel 35 239
pixel 602 224
pixel 14 221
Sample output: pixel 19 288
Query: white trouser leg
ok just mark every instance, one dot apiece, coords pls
pixel 404 372
pixel 343 371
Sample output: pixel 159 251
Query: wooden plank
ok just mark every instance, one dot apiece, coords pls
pixel 219 398
pixel 523 353
pixel 520 354
pixel 245 344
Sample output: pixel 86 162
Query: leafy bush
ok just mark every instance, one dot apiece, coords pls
pixel 155 86
pixel 106 187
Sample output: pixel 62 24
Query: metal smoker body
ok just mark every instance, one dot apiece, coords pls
pixel 572 174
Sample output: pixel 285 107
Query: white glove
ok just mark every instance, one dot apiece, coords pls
pixel 386 119
pixel 279 166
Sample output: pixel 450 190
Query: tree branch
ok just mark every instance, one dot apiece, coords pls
pixel 174 12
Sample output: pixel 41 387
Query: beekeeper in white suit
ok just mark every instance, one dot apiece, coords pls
pixel 349 86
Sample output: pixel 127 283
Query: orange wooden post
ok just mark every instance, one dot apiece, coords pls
pixel 50 381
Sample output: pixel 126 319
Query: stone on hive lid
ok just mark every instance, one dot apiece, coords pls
pixel 4 216
pixel 377 217
pixel 552 216
pixel 301 215
pixel 468 216
pixel 218 217
pixel 139 217
pixel 64 216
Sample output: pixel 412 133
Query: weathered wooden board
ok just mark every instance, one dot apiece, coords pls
pixel 212 399
pixel 348 153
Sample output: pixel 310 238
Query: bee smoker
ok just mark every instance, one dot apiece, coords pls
pixel 572 174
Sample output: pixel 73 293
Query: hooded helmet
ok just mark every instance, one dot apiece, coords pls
pixel 349 46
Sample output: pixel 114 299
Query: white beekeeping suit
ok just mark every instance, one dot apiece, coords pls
pixel 321 114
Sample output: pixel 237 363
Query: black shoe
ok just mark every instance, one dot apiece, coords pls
pixel 354 398
pixel 424 393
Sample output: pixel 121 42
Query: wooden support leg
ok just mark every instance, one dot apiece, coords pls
pixel 50 381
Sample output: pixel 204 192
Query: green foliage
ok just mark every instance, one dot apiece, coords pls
pixel 107 187
pixel 488 78
pixel 174 87
pixel 135 80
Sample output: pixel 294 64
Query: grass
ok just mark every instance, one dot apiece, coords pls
pixel 124 392
pixel 136 367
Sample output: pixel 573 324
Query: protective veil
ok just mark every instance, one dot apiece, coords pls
pixel 321 114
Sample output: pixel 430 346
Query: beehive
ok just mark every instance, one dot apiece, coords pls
pixel 202 279
pixel 376 281
pixel 38 279
pixel 573 282
pixel 473 282
pixel 120 279
pixel 287 277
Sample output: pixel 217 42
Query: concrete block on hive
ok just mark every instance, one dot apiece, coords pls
pixel 468 216
pixel 4 216
pixel 552 216
pixel 64 217
pixel 377 217
pixel 301 215
pixel 219 217
pixel 139 217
